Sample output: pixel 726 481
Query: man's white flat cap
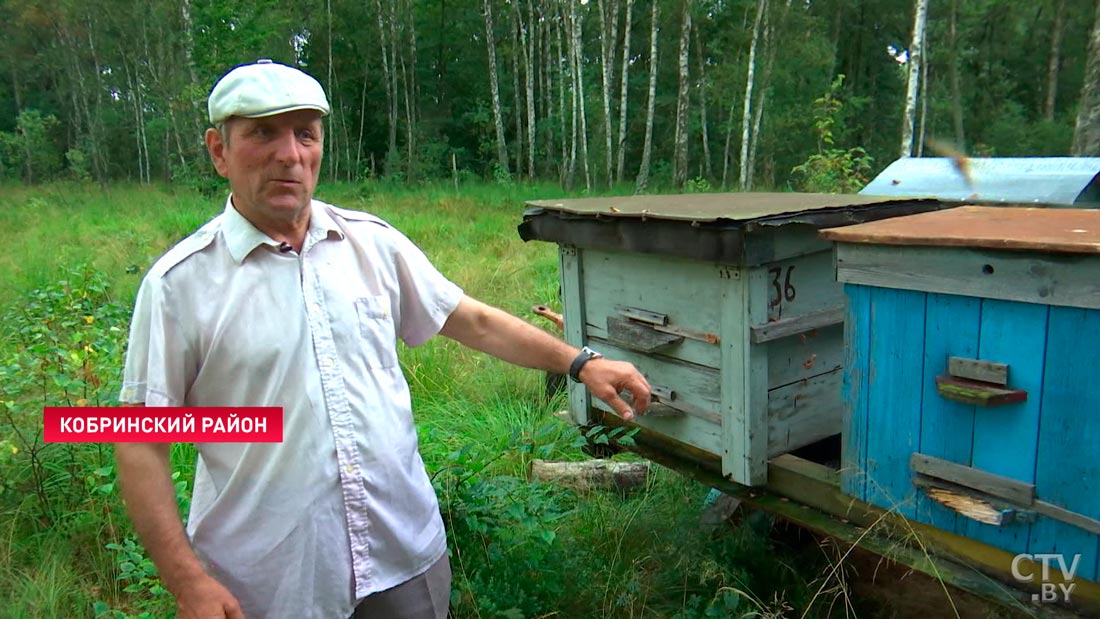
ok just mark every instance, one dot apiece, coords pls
pixel 262 89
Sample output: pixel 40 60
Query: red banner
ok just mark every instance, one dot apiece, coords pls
pixel 141 424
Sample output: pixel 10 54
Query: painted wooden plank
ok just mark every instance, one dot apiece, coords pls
pixel 976 369
pixel 1030 277
pixel 857 347
pixel 1020 493
pixel 798 325
pixel 573 314
pixel 744 381
pixel 1005 436
pixel 1068 459
pixel 804 356
pixel 804 412
pixel 947 428
pixel 685 292
pixel 894 397
pixel 695 386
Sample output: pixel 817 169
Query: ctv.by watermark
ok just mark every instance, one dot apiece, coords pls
pixel 1057 591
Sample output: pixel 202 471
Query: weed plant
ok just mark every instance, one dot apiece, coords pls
pixel 518 549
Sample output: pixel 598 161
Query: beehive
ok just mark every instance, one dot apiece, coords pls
pixel 972 401
pixel 726 302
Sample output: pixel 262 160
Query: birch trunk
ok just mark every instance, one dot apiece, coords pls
pixel 1055 58
pixel 526 35
pixel 1086 135
pixel 559 27
pixel 494 87
pixel 621 149
pixel 647 148
pixel 956 91
pixel 680 141
pixel 578 58
pixel 708 174
pixel 517 104
pixel 916 57
pixel 388 82
pixel 746 115
pixel 609 12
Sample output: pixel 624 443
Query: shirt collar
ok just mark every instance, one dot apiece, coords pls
pixel 242 237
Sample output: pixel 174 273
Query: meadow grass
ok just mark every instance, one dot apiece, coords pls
pixel 518 549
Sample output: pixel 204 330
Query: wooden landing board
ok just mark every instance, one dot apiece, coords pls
pixel 1032 229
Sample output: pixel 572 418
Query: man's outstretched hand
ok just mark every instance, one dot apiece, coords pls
pixel 607 378
pixel 203 597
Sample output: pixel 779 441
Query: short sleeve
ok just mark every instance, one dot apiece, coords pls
pixel 427 298
pixel 160 363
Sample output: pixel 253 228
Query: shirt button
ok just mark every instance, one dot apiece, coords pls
pixel 326 362
pixel 349 468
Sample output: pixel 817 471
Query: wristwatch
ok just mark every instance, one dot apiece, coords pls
pixel 586 355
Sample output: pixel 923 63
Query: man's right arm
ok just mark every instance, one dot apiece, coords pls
pixel 145 475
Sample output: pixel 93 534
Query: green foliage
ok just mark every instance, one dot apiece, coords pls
pixel 832 169
pixel 31 152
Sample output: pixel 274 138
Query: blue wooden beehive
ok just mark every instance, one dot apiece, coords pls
pixel 971 390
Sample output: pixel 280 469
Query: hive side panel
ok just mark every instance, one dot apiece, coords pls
pixel 893 397
pixel 1005 436
pixel 1068 459
pixel 947 427
pixel 857 344
pixel 572 293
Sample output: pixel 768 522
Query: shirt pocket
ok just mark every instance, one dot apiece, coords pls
pixel 377 333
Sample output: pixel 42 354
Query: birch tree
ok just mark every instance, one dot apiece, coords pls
pixel 494 87
pixel 1055 58
pixel 916 57
pixel 609 16
pixel 621 148
pixel 680 142
pixel 746 108
pixel 647 148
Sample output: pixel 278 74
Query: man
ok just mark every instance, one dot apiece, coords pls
pixel 286 301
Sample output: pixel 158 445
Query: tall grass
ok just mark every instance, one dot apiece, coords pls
pixel 518 549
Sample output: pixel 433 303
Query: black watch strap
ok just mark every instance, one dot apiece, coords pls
pixel 586 355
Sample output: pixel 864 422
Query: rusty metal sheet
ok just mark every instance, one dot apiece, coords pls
pixel 708 207
pixel 1012 228
pixel 1019 180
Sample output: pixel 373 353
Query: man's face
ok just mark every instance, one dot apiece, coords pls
pixel 272 163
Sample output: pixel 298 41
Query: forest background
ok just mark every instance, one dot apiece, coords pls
pixel 813 94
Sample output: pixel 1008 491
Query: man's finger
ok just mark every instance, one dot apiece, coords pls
pixel 620 406
pixel 233 612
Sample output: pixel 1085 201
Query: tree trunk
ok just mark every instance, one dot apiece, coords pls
pixel 726 150
pixel 1086 135
pixel 517 104
pixel 680 141
pixel 746 109
pixel 956 92
pixel 330 143
pixel 916 53
pixel 923 98
pixel 1055 58
pixel 643 171
pixel 189 59
pixel 526 35
pixel 578 59
pixel 609 12
pixel 703 104
pixel 621 150
pixel 559 61
pixel 389 83
pixel 494 87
